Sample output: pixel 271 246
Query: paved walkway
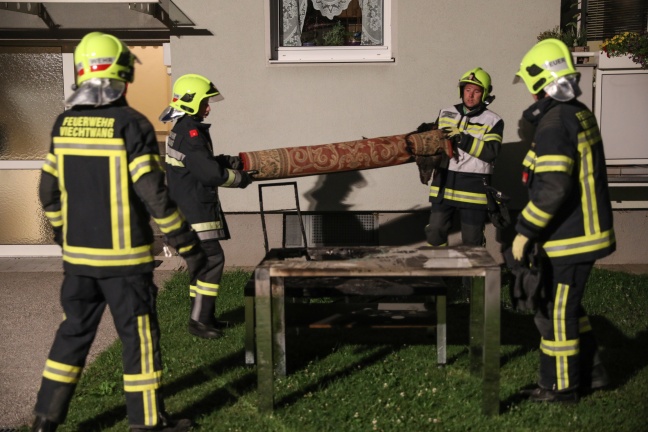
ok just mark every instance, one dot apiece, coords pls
pixel 30 313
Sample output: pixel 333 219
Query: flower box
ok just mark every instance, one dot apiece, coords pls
pixel 624 62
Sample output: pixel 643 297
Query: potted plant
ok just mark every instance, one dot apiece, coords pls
pixel 336 36
pixel 554 33
pixel 571 34
pixel 632 45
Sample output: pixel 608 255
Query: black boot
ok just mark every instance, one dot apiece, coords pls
pixel 165 425
pixel 41 424
pixel 204 331
pixel 545 395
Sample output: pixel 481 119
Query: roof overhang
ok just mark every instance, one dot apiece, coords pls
pixel 65 22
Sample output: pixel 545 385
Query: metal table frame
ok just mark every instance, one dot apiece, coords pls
pixel 361 262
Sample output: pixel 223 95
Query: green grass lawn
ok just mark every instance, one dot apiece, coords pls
pixel 380 380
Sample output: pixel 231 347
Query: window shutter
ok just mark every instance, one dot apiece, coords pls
pixel 605 18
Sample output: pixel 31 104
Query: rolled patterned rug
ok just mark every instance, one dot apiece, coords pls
pixel 345 156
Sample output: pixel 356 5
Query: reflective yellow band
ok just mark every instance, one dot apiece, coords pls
pixel 584 325
pixel 174 162
pixel 192 290
pixel 50 165
pixel 493 137
pixel 579 245
pixel 206 226
pixel 60 372
pixel 559 348
pixel 434 191
pixel 107 257
pixel 446 121
pixel 529 159
pixel 535 216
pixel 146 344
pixel 206 288
pixel 55 218
pixel 477 147
pixel 559 312
pixel 231 176
pixel 554 163
pixel 462 196
pixel 144 164
pixel 170 223
pixel 88 146
pixel 141 382
pixel 185 249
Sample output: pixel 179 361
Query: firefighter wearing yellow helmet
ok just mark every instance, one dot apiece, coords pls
pixel 194 175
pixel 101 183
pixel 568 217
pixel 461 186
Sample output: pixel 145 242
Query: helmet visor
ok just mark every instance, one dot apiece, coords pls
pixel 216 98
pixel 169 114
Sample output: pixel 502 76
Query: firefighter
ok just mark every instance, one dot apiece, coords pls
pixel 101 182
pixel 476 133
pixel 569 216
pixel 194 175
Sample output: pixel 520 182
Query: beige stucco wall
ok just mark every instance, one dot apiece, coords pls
pixel 270 106
pixel 435 42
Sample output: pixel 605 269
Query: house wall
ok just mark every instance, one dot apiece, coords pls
pixel 271 106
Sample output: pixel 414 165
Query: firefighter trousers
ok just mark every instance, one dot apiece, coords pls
pixel 440 223
pixel 132 305
pixel 568 347
pixel 204 289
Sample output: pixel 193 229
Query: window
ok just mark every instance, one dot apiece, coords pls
pixel 605 18
pixel 316 31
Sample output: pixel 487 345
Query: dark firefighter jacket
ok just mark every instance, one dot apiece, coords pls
pixel 462 183
pixel 194 175
pixel 101 182
pixel 569 211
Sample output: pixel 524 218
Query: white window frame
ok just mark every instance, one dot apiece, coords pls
pixel 342 54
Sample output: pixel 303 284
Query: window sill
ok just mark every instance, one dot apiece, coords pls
pixel 328 61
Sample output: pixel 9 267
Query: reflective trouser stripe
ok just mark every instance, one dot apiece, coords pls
pixel 148 381
pixel 205 288
pixel 61 372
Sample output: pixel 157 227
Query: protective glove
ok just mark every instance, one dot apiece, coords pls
pixel 246 180
pixel 426 166
pixel 519 244
pixel 451 132
pixel 232 162
pixel 235 162
pixel 424 127
pixel 58 236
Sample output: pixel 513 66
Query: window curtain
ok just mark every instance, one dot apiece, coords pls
pixel 331 8
pixel 372 22
pixel 294 12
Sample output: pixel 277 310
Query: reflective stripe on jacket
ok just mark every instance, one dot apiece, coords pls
pixel 569 210
pixel 194 175
pixel 462 183
pixel 91 188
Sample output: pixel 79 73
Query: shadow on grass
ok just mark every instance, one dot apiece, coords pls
pixel 326 380
pixel 622 356
pixel 211 402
